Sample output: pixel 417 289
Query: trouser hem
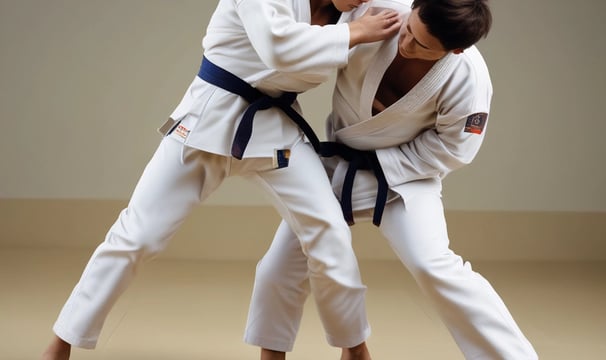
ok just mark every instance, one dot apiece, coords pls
pixel 267 343
pixel 350 341
pixel 74 340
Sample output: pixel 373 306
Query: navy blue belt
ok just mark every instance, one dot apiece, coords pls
pixel 258 101
pixel 358 160
pixel 366 160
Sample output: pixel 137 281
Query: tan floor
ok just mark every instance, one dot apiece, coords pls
pixel 199 310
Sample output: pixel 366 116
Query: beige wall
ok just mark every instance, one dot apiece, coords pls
pixel 84 84
pixel 244 232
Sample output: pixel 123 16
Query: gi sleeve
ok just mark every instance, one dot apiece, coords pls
pixel 455 140
pixel 286 45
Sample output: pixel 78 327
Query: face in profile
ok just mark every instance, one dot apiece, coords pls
pixel 416 42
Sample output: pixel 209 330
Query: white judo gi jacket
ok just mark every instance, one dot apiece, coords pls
pixel 437 127
pixel 285 53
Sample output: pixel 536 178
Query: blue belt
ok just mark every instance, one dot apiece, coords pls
pixel 258 101
pixel 358 160
pixel 367 160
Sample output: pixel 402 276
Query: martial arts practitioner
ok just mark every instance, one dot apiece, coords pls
pixel 257 55
pixel 412 109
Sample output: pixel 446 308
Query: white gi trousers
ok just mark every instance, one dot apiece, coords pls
pixel 178 178
pixel 471 309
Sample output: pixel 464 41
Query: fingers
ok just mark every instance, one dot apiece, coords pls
pixel 390 18
pixel 394 22
pixel 375 26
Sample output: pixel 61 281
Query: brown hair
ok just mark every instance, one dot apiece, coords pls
pixel 458 24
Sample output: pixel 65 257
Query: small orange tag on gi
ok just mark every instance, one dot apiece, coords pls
pixel 475 123
pixel 281 158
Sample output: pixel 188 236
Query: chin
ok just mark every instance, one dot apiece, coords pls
pixel 405 55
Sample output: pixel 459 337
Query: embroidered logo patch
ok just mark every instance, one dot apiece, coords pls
pixel 182 131
pixel 475 123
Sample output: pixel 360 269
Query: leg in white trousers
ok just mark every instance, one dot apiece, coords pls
pixel 471 309
pixel 176 180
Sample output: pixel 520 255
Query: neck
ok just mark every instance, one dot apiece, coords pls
pixel 318 4
pixel 323 12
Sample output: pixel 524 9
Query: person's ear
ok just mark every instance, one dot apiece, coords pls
pixel 457 51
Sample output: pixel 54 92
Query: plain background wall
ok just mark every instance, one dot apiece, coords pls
pixel 85 83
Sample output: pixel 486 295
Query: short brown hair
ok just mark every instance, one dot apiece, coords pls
pixel 458 24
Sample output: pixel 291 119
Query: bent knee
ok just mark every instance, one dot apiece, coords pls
pixel 141 245
pixel 438 268
pixel 281 271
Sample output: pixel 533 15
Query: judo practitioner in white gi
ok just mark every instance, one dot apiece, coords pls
pixel 257 55
pixel 417 106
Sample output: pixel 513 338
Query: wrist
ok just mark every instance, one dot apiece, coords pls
pixel 355 34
